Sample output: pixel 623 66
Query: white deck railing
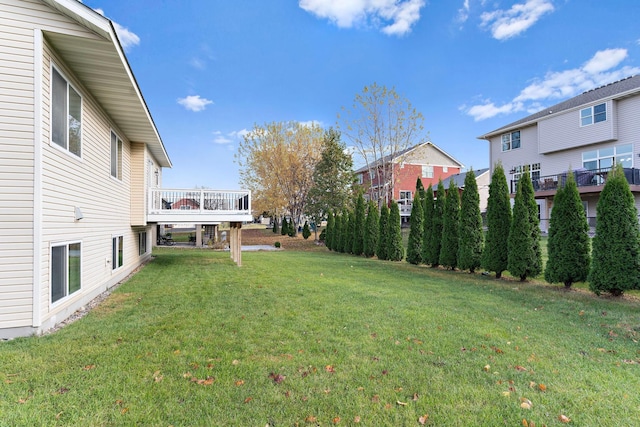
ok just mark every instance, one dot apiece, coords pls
pixel 181 204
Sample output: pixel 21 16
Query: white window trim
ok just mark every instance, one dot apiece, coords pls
pixel 120 166
pixel 65 298
pixel 69 83
pixel 592 114
pixel 510 134
pixel 114 252
pixel 146 242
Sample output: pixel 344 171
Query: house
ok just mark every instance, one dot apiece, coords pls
pixel 586 134
pixel 425 161
pixel 483 179
pixel 80 166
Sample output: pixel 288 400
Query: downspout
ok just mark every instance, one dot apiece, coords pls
pixel 37 175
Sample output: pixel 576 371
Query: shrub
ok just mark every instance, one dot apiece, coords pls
pixel 382 250
pixel 427 232
pixel 323 235
pixel 615 264
pixel 358 228
pixel 435 240
pixel 495 254
pixel 568 246
pixel 414 248
pixel 450 227
pixel 524 258
pixel 285 227
pixel 306 232
pixel 396 250
pixel 471 234
pixel 372 230
pixel 276 244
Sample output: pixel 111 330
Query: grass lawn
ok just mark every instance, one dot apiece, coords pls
pixel 317 338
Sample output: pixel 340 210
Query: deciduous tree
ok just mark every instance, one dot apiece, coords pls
pixel 380 125
pixel 276 163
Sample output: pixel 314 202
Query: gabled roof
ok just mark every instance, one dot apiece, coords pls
pixel 102 67
pixel 397 157
pixel 459 178
pixel 615 90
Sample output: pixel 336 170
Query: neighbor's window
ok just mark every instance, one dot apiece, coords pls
pixel 117 252
pixel 360 178
pixel 116 156
pixel 511 141
pixel 65 270
pixel 66 114
pixel 142 243
pixel 405 195
pixel 595 114
pixel 427 171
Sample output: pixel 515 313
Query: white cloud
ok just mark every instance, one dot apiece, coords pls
pixel 239 134
pixel 194 103
pixel 229 138
pixel 505 24
pixel 463 12
pixel 311 123
pixel 394 17
pixel 597 71
pixel 127 38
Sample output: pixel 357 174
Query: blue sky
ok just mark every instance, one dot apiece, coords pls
pixel 211 69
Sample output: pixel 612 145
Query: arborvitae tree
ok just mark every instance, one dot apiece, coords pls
pixel 337 232
pixel 450 227
pixel 435 242
pixel 524 259
pixel 416 232
pixel 292 231
pixel 569 246
pixel 275 225
pixel 471 234
pixel 350 231
pixel 306 232
pixel 344 230
pixel 329 229
pixel 615 264
pixel 383 235
pixel 372 230
pixel 285 227
pixel 396 250
pixel 419 188
pixel 495 254
pixel 358 230
pixel 427 235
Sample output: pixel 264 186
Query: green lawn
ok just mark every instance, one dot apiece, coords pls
pixel 317 338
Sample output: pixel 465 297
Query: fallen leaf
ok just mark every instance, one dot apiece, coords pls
pixel 526 403
pixel 311 419
pixel 58 415
pixel 564 419
pixel 248 399
pixel 356 419
pixel 532 384
pixel 520 368
pixel 62 390
pixel 525 423
pixel 329 369
pixel 336 420
pixel 239 383
pixel 506 393
pixel 176 352
pixel 423 419
pixel 401 403
pixel 88 367
pixel 487 368
pixel 124 411
pixel 277 378
pixel 235 362
pixel 542 387
pixel 375 399
pixel 415 396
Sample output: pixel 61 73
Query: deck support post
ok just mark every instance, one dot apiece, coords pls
pixel 235 242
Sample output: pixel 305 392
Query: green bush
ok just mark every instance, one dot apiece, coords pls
pixel 372 231
pixel 414 246
pixel 276 244
pixel 382 249
pixel 495 254
pixel 471 234
pixel 450 227
pixel 396 250
pixel 306 232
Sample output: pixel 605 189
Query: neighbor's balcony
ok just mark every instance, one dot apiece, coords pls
pixel 588 180
pixel 198 206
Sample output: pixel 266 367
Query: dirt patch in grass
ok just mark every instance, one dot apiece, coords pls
pixel 268 237
pixel 112 304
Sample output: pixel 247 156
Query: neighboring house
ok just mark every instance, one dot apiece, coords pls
pixel 80 165
pixel 186 204
pixel 587 134
pixel 425 161
pixel 483 179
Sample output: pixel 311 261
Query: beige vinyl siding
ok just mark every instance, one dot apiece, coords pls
pixel 86 182
pixel 16 171
pixel 138 184
pixel 428 155
pixel 563 131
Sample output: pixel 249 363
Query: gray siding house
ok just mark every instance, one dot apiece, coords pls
pixel 587 134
